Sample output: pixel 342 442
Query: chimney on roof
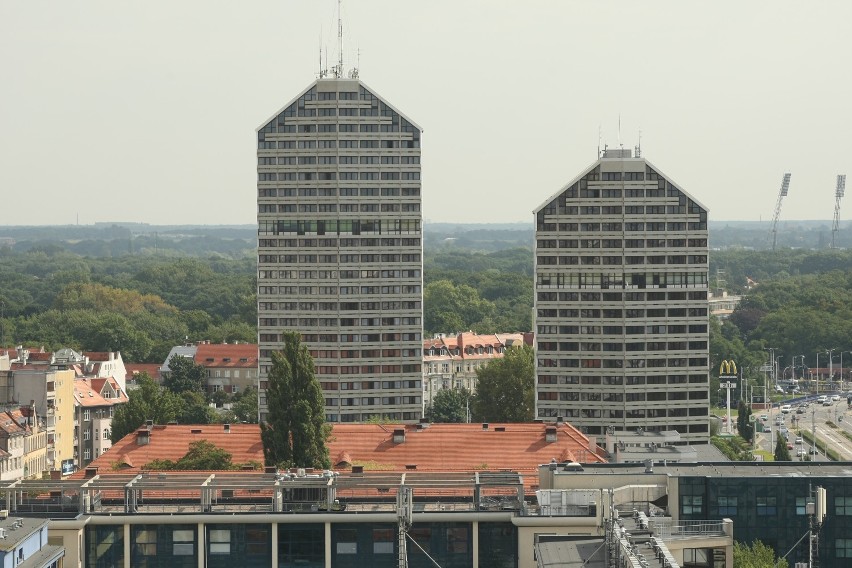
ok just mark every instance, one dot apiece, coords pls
pixel 559 421
pixel 550 434
pixel 143 438
pixel 399 436
pixel 149 424
pixel 424 423
pixel 91 472
pixel 485 425
pixel 226 428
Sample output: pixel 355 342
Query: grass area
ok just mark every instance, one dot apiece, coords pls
pixel 829 453
pixel 767 456
pixel 735 448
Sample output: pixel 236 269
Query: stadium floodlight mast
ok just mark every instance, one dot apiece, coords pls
pixel 838 195
pixel 773 230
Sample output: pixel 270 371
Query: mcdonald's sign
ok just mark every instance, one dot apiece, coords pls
pixel 728 368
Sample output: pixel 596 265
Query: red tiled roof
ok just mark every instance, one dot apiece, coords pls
pixel 240 355
pixel 171 442
pixel 98 355
pixel 39 356
pixel 459 447
pixel 89 392
pixel 133 369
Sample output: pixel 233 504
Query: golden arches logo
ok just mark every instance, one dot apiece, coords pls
pixel 728 367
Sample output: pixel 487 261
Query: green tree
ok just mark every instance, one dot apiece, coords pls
pixel 782 454
pixel 195 409
pixel 505 389
pixel 184 375
pixel 148 401
pixel 744 424
pixel 449 405
pixel 202 455
pixel 758 555
pixel 295 433
pixel 245 405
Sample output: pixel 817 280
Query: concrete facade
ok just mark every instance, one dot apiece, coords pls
pixel 340 248
pixel 621 313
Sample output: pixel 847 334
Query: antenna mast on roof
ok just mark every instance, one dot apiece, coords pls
pixel 338 70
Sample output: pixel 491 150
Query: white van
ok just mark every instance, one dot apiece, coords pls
pixel 786 408
pixel 822 398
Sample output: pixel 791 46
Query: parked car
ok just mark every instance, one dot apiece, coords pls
pixel 835 397
pixel 827 402
pixel 821 398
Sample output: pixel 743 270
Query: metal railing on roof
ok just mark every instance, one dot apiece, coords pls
pixel 225 492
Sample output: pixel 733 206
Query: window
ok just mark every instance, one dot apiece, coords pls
pixel 183 542
pixel 843 548
pixel 347 541
pixel 220 541
pixel 383 541
pixel 87 415
pixel 843 505
pixel 146 542
pixel 727 506
pixel 692 505
pixel 766 506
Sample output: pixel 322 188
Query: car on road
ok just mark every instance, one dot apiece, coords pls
pixel 821 398
pixel 813 451
pixel 789 446
pixel 764 417
pixel 800 410
pixel 799 440
pixel 785 408
pixel 835 397
pixel 827 402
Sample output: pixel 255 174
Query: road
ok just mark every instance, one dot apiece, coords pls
pixel 813 419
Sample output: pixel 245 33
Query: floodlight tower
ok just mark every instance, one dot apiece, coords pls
pixel 838 194
pixel 785 185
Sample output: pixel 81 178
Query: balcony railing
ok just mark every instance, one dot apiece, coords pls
pixel 666 529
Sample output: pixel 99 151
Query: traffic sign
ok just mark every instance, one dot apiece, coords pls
pixel 727 385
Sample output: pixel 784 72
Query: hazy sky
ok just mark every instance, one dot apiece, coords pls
pixel 146 110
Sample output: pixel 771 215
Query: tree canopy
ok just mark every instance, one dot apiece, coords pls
pixel 295 432
pixel 449 405
pixel 505 389
pixel 202 455
pixel 756 555
pixel 148 401
pixel 782 454
pixel 185 375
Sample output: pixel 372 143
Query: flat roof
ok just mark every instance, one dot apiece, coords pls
pixel 724 469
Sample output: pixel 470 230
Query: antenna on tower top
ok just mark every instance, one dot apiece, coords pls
pixel 639 146
pixel 338 71
pixel 600 139
pixel 620 145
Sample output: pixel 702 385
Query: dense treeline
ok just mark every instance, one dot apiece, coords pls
pixel 140 305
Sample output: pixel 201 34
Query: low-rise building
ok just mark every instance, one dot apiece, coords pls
pixel 451 361
pixel 95 402
pixel 229 367
pixel 24 542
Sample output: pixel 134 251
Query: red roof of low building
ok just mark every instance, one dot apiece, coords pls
pixel 520 447
pixel 458 447
pixel 171 442
pixel 239 355
pixel 133 369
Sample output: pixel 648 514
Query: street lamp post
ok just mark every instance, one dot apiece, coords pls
pixel 830 365
pixel 817 372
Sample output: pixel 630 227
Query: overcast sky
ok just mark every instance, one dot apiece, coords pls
pixel 146 111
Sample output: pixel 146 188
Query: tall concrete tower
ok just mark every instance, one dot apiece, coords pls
pixel 621 306
pixel 340 251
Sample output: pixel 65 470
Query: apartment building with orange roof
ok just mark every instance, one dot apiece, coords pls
pixel 95 401
pixel 451 361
